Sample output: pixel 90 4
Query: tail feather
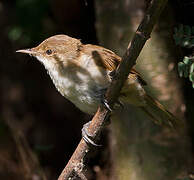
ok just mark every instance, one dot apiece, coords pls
pixel 159 114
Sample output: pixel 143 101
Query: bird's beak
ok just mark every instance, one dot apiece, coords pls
pixel 27 51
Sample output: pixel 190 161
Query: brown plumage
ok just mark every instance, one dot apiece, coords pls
pixel 109 60
pixel 81 73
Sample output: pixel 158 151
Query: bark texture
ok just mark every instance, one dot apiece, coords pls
pixel 141 149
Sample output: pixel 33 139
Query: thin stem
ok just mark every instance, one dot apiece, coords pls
pixel 76 163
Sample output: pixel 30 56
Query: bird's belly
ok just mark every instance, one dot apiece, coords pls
pixel 83 88
pixel 87 99
pixel 87 103
pixel 86 96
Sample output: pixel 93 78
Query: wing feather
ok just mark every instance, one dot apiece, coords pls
pixel 109 60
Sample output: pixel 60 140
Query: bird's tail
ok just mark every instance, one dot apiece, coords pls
pixel 158 113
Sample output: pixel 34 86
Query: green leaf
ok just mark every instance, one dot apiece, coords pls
pixel 183 36
pixel 191 77
pixel 193 85
pixel 181 68
pixel 177 40
pixel 187 30
pixel 186 60
pixel 192 68
pixel 185 41
pixel 191 42
pixel 186 71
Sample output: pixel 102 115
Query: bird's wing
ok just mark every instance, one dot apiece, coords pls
pixel 109 60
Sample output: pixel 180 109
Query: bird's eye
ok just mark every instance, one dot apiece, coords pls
pixel 48 51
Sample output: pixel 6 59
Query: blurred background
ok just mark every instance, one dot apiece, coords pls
pixel 39 129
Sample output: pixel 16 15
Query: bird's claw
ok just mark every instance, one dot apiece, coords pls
pixel 117 104
pixel 105 103
pixel 86 136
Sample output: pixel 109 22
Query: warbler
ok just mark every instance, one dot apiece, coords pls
pixel 83 78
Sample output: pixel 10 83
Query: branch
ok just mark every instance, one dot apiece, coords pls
pixel 76 163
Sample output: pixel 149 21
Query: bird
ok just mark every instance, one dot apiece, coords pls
pixel 83 72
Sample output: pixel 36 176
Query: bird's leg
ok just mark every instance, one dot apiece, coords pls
pixel 105 102
pixel 100 95
pixel 87 137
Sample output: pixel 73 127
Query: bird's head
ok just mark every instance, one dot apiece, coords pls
pixel 55 50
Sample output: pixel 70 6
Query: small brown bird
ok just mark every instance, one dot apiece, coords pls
pixel 83 77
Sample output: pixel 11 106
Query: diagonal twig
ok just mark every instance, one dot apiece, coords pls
pixel 76 163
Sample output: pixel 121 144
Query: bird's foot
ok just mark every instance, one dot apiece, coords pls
pixel 118 104
pixel 105 103
pixel 87 137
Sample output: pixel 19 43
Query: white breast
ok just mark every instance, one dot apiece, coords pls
pixel 82 86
